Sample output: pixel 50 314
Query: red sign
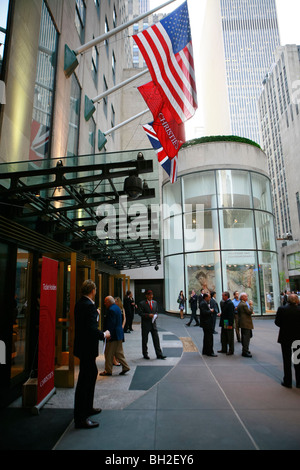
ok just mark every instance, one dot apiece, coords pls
pixel 46 358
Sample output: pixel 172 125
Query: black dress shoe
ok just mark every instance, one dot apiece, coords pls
pixel 285 385
pixel 95 411
pixel 86 424
pixel 161 357
pixel 188 324
pixel 246 354
pixel 146 357
pixel 124 371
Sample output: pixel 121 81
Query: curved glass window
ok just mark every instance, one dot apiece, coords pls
pixel 200 188
pixel 234 188
pixel 222 238
pixel 265 231
pixel 203 271
pixel 175 275
pixel 237 229
pixel 261 192
pixel 201 231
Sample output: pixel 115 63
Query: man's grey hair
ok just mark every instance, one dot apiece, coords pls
pixel 242 294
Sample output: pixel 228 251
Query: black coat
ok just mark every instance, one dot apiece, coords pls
pixel 288 320
pixel 205 315
pixel 87 334
pixel 227 312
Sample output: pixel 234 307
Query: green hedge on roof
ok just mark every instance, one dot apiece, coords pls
pixel 220 138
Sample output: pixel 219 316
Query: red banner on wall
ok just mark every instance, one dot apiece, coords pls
pixel 46 358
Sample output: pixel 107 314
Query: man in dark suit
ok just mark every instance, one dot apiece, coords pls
pixel 129 306
pixel 114 347
pixel 288 320
pixel 226 323
pixel 206 323
pixel 86 348
pixel 148 310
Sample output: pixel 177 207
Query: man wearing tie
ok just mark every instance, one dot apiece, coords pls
pixel 148 310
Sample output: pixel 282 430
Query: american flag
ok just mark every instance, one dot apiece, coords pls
pixel 167 49
pixel 170 166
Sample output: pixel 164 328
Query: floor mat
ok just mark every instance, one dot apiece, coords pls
pixel 147 376
pixel 20 430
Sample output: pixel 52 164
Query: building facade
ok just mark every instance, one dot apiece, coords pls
pixel 279 118
pixel 242 41
pixel 44 127
pixel 219 226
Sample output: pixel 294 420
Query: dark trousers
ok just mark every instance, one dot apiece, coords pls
pixel 286 349
pixel 227 338
pixel 194 316
pixel 129 320
pixel 208 340
pixel 146 329
pixel 246 336
pixel 84 393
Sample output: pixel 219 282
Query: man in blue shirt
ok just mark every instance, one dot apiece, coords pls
pixel 235 302
pixel 114 347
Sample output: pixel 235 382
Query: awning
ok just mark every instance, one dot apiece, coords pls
pixel 65 198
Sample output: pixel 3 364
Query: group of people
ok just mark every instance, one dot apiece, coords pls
pixel 235 315
pixel 88 335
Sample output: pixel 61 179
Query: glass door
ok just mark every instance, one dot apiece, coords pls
pixel 21 311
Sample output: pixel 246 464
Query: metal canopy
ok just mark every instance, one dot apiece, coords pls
pixel 65 199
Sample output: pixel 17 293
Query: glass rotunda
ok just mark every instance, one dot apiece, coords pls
pixel 218 226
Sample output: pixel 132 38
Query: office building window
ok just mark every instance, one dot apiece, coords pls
pixel 44 88
pixel 80 12
pixel 73 137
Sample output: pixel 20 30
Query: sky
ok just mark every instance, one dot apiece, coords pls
pixel 288 14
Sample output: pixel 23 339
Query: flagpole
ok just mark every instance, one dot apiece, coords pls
pixel 89 107
pixel 126 122
pixel 71 61
pixel 102 135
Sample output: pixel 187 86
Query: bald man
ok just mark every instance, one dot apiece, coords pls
pixel 114 347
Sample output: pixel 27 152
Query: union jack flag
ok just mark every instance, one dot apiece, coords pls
pixel 167 49
pixel 169 165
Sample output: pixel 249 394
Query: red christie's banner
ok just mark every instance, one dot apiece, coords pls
pixel 46 356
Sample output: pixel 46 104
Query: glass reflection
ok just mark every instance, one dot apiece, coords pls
pixel 21 312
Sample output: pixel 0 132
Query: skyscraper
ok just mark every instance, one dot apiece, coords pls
pixel 242 45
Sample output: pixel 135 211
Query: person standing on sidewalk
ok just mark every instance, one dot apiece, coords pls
pixel 245 311
pixel 193 303
pixel 206 323
pixel 114 347
pixel 226 324
pixel 236 301
pixel 86 348
pixel 148 310
pixel 288 320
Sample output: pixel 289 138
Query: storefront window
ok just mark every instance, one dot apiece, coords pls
pixel 200 188
pixel 203 271
pixel 227 245
pixel 268 270
pixel 237 229
pixel 240 273
pixel 234 188
pixel 261 192
pixel 175 275
pixel 21 311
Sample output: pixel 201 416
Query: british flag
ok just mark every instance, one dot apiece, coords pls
pixel 169 165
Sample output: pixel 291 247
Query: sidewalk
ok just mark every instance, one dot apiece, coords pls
pixel 190 401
